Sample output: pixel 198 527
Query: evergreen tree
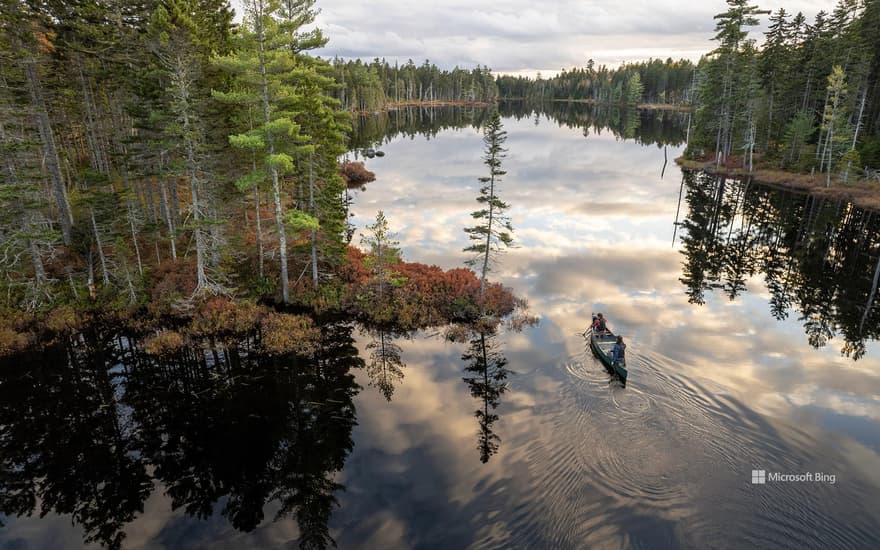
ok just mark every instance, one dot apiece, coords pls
pixel 634 89
pixel 835 123
pixel 262 64
pixel 384 252
pixel 493 228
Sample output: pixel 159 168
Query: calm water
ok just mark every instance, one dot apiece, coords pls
pixel 736 318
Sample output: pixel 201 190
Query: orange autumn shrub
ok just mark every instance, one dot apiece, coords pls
pixel 221 317
pixel 171 282
pixel 11 341
pixel 164 343
pixel 285 333
pixel 62 320
pixel 355 174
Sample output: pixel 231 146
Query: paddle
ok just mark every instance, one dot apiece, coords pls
pixel 589 329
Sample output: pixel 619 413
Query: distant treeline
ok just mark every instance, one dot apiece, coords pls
pixel 652 81
pixel 371 86
pixel 807 99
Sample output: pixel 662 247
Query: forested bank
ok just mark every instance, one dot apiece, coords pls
pixel 149 146
pixel 806 99
pixel 162 165
pixel 373 86
pixel 654 81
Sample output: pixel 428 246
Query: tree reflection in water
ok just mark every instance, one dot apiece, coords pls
pixel 487 380
pixel 385 368
pixel 80 422
pixel 67 443
pixel 647 127
pixel 818 256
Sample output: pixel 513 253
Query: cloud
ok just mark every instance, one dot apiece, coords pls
pixel 525 35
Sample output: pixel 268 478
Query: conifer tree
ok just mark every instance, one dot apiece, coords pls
pixel 262 64
pixel 493 229
pixel 384 252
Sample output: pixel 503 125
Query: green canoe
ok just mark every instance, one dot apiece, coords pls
pixel 602 344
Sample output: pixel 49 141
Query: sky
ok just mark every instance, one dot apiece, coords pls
pixel 527 36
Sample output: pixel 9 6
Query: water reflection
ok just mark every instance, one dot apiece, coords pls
pixel 647 127
pixel 90 427
pixel 664 462
pixel 67 443
pixel 385 368
pixel 817 256
pixel 486 378
pixel 408 122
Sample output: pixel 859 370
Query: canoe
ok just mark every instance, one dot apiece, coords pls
pixel 602 344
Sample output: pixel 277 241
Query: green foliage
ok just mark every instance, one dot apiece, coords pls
pixel 250 180
pixel 661 81
pixel 494 228
pixel 248 141
pixel 383 255
pixel 798 132
pixel 869 151
pixel 821 76
pixel 281 162
pixel 634 89
pixel 297 220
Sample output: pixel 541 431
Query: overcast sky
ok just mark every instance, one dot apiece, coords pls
pixel 526 36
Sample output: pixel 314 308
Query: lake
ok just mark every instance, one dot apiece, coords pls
pixel 750 417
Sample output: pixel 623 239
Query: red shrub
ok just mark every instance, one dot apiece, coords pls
pixel 355 174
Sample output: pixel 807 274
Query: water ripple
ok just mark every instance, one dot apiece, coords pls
pixel 607 463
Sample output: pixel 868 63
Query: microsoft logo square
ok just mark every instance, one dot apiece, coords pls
pixel 759 477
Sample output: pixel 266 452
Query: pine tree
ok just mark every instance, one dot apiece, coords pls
pixel 634 89
pixel 494 227
pixel 835 123
pixel 262 65
pixel 384 252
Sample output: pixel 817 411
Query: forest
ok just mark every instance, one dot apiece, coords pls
pixel 368 87
pixel 654 81
pixel 155 153
pixel 148 146
pixel 160 159
pixel 806 99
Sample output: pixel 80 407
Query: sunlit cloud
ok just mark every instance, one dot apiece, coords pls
pixel 527 36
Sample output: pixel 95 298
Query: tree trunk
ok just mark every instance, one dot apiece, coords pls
pixel 104 274
pixel 169 222
pixel 259 230
pixel 53 164
pixel 171 184
pixel 37 260
pixel 489 228
pixel 134 239
pixel 276 186
pixel 182 78
pixel 314 233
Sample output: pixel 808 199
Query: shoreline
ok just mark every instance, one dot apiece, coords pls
pixel 395 105
pixel 640 106
pixel 860 192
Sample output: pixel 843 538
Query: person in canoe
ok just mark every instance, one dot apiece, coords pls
pixel 599 326
pixel 618 352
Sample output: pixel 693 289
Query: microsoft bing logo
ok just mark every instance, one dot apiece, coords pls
pixel 759 477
